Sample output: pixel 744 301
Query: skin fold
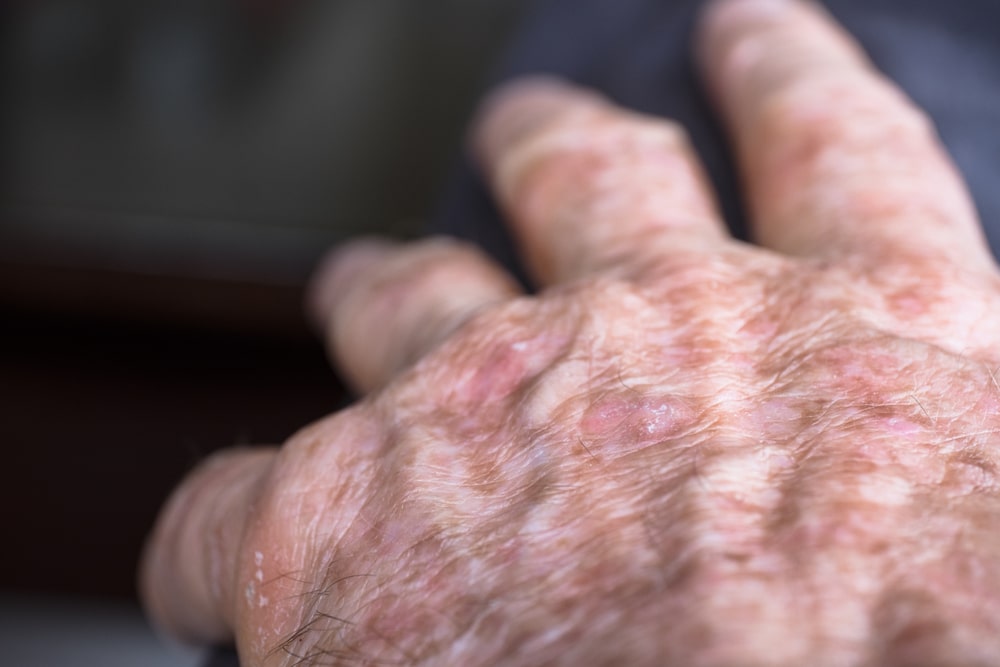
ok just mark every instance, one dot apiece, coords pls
pixel 682 450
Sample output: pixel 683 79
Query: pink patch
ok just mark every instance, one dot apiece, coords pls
pixel 775 420
pixel 499 375
pixel 901 427
pixel 628 422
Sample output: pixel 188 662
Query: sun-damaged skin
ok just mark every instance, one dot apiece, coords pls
pixel 682 450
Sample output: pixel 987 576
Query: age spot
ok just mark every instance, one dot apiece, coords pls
pixel 909 302
pixel 775 420
pixel 899 426
pixel 494 371
pixel 620 424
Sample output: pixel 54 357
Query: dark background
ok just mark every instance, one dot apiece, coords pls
pixel 171 170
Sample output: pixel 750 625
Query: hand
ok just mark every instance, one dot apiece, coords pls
pixel 684 450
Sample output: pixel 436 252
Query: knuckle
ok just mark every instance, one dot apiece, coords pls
pixel 486 360
pixel 842 112
pixel 926 296
pixel 422 267
pixel 704 273
pixel 589 149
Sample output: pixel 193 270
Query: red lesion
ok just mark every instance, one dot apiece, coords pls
pixel 498 375
pixel 622 422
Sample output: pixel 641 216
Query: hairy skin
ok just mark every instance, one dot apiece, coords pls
pixel 683 450
pixel 644 482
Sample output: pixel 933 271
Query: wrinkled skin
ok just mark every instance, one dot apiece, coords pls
pixel 683 450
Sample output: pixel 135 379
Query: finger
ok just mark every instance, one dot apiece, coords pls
pixel 190 563
pixel 384 305
pixel 835 158
pixel 589 187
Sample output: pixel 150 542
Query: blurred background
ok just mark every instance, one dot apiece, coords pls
pixel 171 170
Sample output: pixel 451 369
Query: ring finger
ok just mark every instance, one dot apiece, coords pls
pixel 383 305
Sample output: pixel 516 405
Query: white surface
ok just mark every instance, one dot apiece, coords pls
pixel 47 632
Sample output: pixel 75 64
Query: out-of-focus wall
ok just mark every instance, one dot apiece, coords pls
pixel 226 140
pixel 170 170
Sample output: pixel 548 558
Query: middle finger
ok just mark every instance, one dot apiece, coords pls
pixel 590 188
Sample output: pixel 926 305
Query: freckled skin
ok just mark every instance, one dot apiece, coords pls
pixel 683 450
pixel 628 508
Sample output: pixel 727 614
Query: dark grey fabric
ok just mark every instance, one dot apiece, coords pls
pixel 223 658
pixel 946 55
